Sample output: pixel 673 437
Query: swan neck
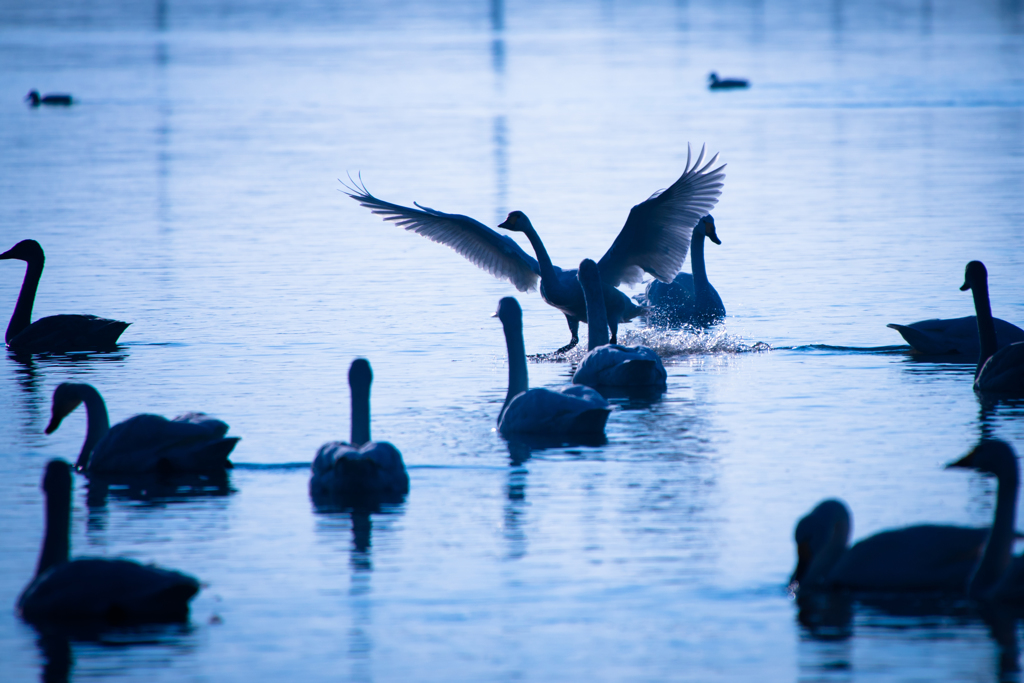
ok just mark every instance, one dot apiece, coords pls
pixel 98 422
pixel 360 414
pixel 597 316
pixel 518 377
pixel 986 327
pixel 547 269
pixel 700 273
pixel 826 558
pixel 58 525
pixel 999 547
pixel 22 316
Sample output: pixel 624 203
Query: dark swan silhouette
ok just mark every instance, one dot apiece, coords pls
pixel 96 590
pixel 50 99
pixel 362 468
pixel 716 83
pixel 690 299
pixel 949 336
pixel 612 365
pixel 54 332
pixel 573 411
pixel 655 239
pixel 193 442
pixel 1000 370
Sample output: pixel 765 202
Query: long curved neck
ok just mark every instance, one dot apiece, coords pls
pixel 22 316
pixel 999 547
pixel 518 378
pixel 547 269
pixel 98 424
pixel 827 557
pixel 597 316
pixel 986 327
pixel 58 525
pixel 360 413
pixel 700 274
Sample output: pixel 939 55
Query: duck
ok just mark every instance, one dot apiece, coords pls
pixel 95 590
pixel 573 411
pixel 688 299
pixel 954 336
pixel 192 442
pixel 1000 370
pixel 360 468
pixel 716 83
pixel 50 99
pixel 55 333
pixel 654 239
pixel 612 365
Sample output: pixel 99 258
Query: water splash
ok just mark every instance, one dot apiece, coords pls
pixel 673 343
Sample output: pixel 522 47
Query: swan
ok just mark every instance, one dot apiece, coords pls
pixel 655 239
pixel 50 99
pixel 55 332
pixel 95 589
pixel 193 442
pixel 688 299
pixel 716 83
pixel 362 467
pixel 612 365
pixel 575 410
pixel 1000 370
pixel 941 337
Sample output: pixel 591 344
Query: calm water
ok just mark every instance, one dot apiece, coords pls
pixel 192 190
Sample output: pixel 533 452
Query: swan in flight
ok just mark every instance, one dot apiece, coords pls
pixel 54 332
pixel 688 299
pixel 193 442
pixel 655 239
pixel 362 468
pixel 941 337
pixel 612 365
pixel 1000 370
pixel 93 589
pixel 576 410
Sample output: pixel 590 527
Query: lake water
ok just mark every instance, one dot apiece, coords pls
pixel 193 190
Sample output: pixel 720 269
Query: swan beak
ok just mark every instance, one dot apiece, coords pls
pixel 508 223
pixel 494 315
pixel 966 462
pixel 7 254
pixel 709 230
pixel 963 288
pixel 803 559
pixel 54 423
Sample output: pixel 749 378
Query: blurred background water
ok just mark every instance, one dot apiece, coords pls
pixel 193 190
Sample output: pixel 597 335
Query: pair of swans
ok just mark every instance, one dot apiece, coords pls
pixel 95 591
pixel 654 239
pixel 56 332
pixel 690 299
pixel 193 442
pixel 926 558
pixel 1000 370
pixel 361 469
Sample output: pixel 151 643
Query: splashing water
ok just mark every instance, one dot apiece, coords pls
pixel 672 343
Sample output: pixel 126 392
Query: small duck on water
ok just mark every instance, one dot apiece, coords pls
pixel 51 99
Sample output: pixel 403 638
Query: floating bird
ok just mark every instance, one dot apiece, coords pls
pixel 655 239
pixel 98 591
pixel 54 332
pixel 363 468
pixel 1000 370
pixel 575 411
pixel 941 337
pixel 612 365
pixel 193 442
pixel 716 83
pixel 51 99
pixel 688 299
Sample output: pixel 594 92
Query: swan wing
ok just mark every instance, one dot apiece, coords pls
pixel 657 233
pixel 614 365
pixel 191 443
pixel 1003 372
pixel 542 411
pixel 498 254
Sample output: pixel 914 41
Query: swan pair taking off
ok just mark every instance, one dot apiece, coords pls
pixel 654 239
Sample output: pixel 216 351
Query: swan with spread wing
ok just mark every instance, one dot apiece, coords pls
pixel 654 239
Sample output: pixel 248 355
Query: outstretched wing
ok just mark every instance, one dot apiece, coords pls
pixel 657 233
pixel 498 254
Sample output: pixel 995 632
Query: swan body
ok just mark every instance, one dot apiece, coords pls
pixel 612 365
pixel 1000 370
pixel 110 591
pixel 56 332
pixel 362 468
pixel 716 83
pixel 575 410
pixel 193 442
pixel 50 99
pixel 688 299
pixel 655 239
pixel 939 337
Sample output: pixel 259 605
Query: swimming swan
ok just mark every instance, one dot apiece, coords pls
pixel 716 83
pixel 193 442
pixel 575 410
pixel 49 99
pixel 362 468
pixel 688 299
pixel 113 591
pixel 54 332
pixel 1000 370
pixel 655 239
pixel 612 365
pixel 940 337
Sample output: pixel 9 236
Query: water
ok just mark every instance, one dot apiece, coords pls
pixel 192 190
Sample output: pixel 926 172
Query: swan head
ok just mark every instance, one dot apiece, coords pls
pixel 990 456
pixel 516 222
pixel 509 312
pixel 712 77
pixel 829 521
pixel 57 479
pixel 588 272
pixel 25 250
pixel 709 229
pixel 33 97
pixel 66 398
pixel 974 275
pixel 359 373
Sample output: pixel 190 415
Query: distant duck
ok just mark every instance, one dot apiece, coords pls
pixel 573 411
pixel 95 591
pixel 362 468
pixel 942 337
pixel 55 332
pixel 193 442
pixel 612 365
pixel 1000 370
pixel 688 299
pixel 716 83
pixel 50 99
